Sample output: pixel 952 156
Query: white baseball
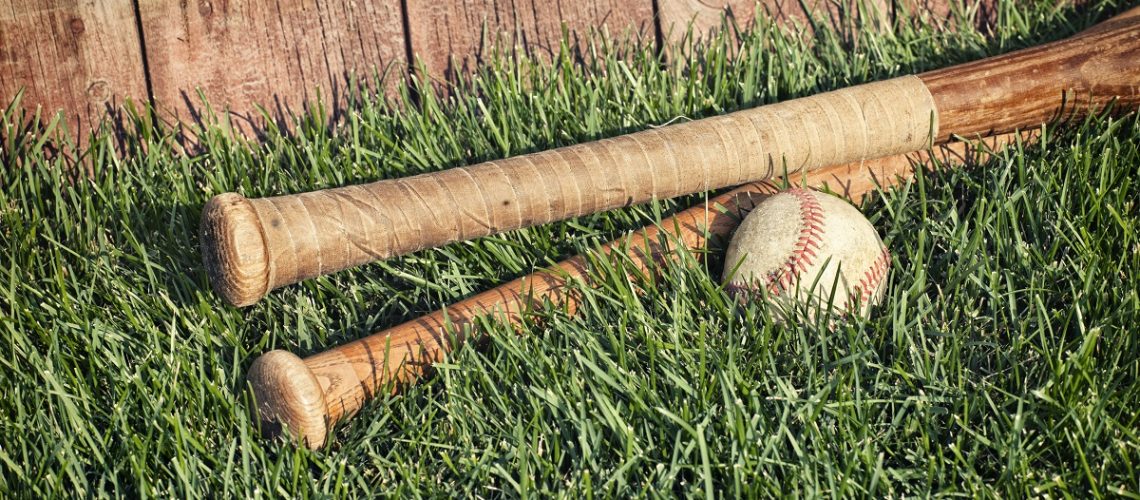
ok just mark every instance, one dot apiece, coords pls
pixel 800 237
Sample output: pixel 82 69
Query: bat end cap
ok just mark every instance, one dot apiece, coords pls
pixel 288 398
pixel 234 250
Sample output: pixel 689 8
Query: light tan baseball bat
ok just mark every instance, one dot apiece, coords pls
pixel 309 395
pixel 251 246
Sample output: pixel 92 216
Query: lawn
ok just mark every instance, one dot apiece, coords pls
pixel 1003 361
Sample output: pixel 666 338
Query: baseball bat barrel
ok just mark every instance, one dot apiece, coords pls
pixel 251 246
pixel 1046 83
pixel 307 396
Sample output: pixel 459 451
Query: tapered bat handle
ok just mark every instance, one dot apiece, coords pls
pixel 309 395
pixel 251 246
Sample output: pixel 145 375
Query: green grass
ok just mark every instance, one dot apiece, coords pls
pixel 1004 361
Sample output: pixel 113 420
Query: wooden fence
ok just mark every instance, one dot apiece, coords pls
pixel 86 57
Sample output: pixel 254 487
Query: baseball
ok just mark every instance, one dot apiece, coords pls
pixel 807 249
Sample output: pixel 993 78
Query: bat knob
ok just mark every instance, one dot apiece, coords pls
pixel 288 395
pixel 234 250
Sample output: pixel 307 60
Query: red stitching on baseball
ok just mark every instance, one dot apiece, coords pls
pixel 872 277
pixel 803 252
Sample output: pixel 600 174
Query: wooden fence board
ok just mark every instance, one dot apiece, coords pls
pixel 81 57
pixel 275 54
pixel 86 56
pixel 706 15
pixel 467 29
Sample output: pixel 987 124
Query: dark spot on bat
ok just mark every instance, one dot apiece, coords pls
pixel 270 428
pixel 275 222
pixel 506 203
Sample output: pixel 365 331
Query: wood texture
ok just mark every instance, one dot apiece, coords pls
pixel 706 15
pixel 1059 80
pixel 347 376
pixel 81 57
pixel 468 29
pixel 276 54
pixel 85 57
pixel 309 234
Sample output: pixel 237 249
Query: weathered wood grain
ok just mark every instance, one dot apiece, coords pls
pixel 275 54
pixel 706 15
pixel 81 57
pixel 450 37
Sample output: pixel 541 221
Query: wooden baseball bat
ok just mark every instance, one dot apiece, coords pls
pixel 251 246
pixel 309 395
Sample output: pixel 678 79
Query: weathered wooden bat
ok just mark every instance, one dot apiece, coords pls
pixel 251 246
pixel 308 396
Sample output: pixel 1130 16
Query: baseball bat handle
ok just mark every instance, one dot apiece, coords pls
pixel 310 395
pixel 251 246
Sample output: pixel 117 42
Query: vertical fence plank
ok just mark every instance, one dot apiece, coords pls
pixel 242 53
pixel 465 30
pixel 81 57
